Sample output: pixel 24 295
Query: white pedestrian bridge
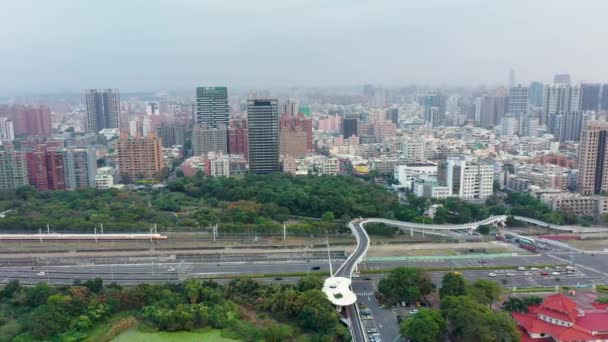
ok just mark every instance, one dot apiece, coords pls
pixel 337 286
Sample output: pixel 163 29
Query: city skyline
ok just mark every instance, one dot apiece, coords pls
pixel 163 45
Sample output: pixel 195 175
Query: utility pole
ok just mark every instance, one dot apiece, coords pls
pixel 331 272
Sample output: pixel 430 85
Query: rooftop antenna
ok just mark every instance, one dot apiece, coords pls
pixel 331 272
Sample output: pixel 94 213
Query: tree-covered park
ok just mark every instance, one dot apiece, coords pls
pixel 309 204
pixel 242 309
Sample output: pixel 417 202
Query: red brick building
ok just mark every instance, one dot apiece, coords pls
pixel 238 138
pixel 46 168
pixel 295 135
pixel 559 319
pixel 139 158
pixel 28 120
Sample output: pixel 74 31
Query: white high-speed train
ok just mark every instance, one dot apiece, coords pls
pixel 94 237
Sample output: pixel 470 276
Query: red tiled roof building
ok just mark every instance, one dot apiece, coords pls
pixel 559 319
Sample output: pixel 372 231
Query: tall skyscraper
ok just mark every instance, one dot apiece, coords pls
pixel 565 126
pixel 349 127
pixel 518 100
pixel 263 121
pixel 434 109
pixel 392 114
pixel 139 158
pixel 485 111
pixel 80 168
pixel 604 101
pixel 7 132
pixel 103 109
pixel 212 106
pixel 13 168
pixel 590 96
pixel 560 98
pixel 561 78
pixel 593 159
pixel 535 94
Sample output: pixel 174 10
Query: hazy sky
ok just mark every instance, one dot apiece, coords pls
pixel 48 45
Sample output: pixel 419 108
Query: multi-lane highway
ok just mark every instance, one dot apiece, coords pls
pixel 591 269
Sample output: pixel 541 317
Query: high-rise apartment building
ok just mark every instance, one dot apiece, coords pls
pixel 103 109
pixel 392 114
pixel 560 98
pixel 349 127
pixel 263 121
pixel 212 106
pixel 7 131
pixel 604 100
pixel 206 139
pixel 590 96
pixel 593 159
pixel 485 111
pixel 28 120
pixel 171 134
pixel 434 109
pixel 13 168
pixel 80 168
pixel 295 135
pixel 238 138
pixel 518 100
pixel 139 158
pixel 566 126
pixel 46 168
pixel 535 94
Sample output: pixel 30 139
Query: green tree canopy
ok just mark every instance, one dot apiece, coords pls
pixel 453 284
pixel 425 326
pixel 404 284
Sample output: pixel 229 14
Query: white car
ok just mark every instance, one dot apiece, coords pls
pixel 171 269
pixel 414 311
pixel 492 274
pixel 41 273
pixel 534 268
pixel 555 273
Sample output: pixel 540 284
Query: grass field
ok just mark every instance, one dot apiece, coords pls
pixel 134 335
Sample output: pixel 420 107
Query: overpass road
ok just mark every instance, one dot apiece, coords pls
pixel 358 230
